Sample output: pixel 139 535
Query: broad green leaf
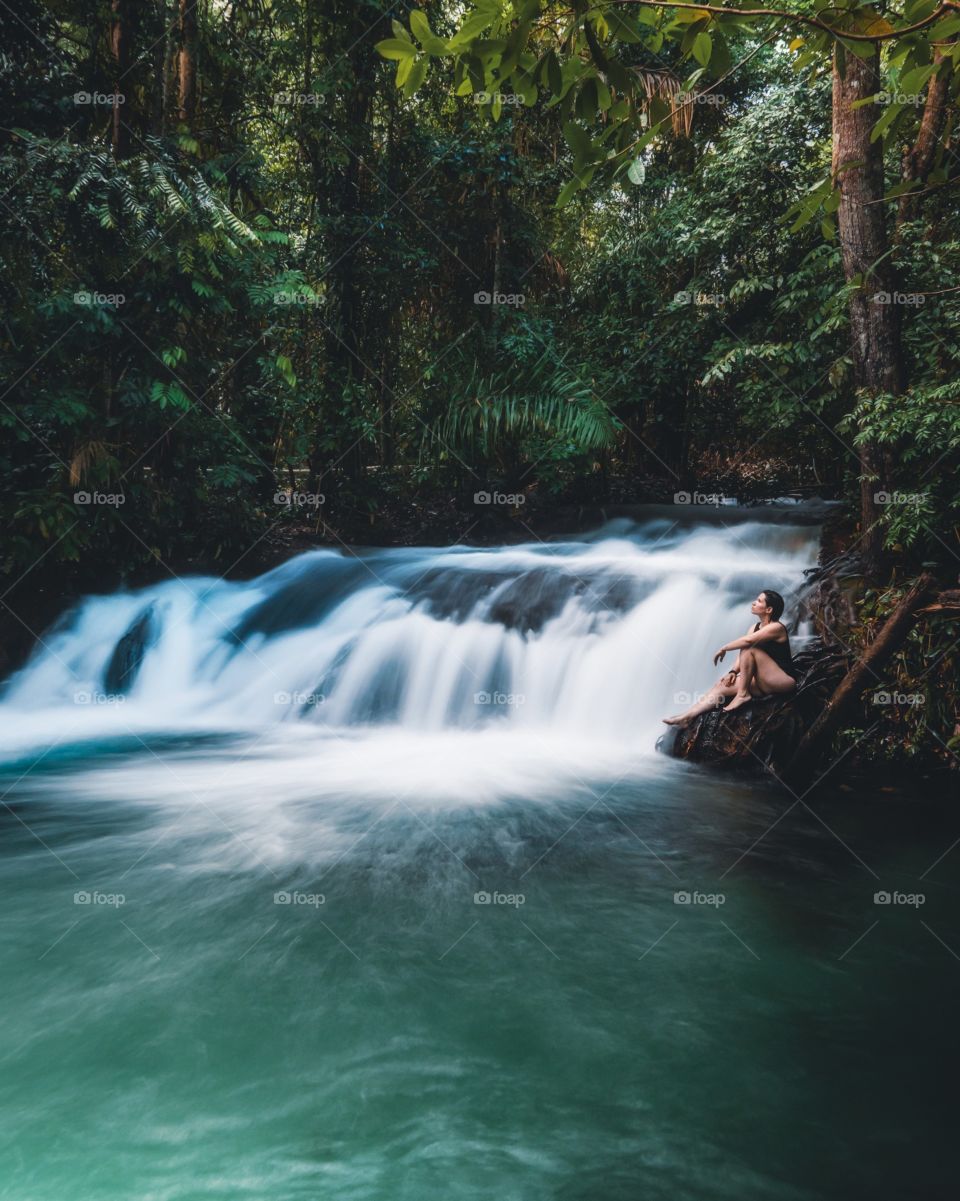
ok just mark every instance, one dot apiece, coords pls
pixel 404 67
pixel 912 81
pixel 473 27
pixel 588 101
pixel 554 74
pixel 720 59
pixel 418 73
pixel 395 48
pixel 703 48
pixel 637 171
pixel 578 140
pixel 567 191
pixel 886 121
pixel 419 25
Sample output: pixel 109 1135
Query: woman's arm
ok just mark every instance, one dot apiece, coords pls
pixel 764 634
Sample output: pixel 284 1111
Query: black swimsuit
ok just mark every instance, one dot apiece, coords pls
pixel 779 652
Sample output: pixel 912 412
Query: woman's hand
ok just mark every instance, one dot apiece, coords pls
pixel 719 655
pixel 731 677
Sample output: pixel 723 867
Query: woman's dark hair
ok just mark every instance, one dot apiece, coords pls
pixel 775 602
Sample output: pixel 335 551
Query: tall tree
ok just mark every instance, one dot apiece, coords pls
pixel 875 326
pixel 187 61
pixel 119 56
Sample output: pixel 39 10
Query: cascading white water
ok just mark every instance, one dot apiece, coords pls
pixel 592 639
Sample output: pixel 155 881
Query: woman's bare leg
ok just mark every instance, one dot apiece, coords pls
pixel 759 676
pixel 719 692
pixel 744 692
pixel 771 678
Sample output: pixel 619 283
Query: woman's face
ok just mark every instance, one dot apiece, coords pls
pixel 760 608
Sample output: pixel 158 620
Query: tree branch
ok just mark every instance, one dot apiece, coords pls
pixel 799 19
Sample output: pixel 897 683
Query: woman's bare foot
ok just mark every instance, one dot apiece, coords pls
pixel 737 702
pixel 679 720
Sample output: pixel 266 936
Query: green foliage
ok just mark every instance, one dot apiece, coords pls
pixel 584 58
pixel 298 266
pixel 921 430
pixel 544 404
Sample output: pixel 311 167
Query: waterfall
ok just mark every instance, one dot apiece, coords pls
pixel 590 639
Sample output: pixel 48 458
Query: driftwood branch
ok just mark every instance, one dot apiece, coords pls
pixel 947 602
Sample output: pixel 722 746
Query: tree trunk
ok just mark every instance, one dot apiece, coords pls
pixel 864 244
pixel 119 56
pixel 170 66
pixel 919 159
pixel 186 63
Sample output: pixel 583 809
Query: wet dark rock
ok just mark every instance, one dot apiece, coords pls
pixel 128 653
pixel 452 593
pixel 529 602
pixel 305 595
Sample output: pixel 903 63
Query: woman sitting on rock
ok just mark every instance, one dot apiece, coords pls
pixel 764 666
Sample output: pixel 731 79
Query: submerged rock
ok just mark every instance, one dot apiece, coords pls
pixel 766 732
